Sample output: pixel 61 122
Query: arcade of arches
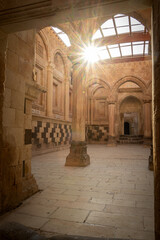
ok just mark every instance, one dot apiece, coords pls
pixel 51 98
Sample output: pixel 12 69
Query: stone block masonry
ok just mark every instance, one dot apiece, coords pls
pixel 53 136
pixel 49 135
pixel 97 133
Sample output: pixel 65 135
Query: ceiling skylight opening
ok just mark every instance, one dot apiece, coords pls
pixel 134 21
pixel 137 28
pixel 108 24
pixel 138 49
pixel 97 35
pixel 109 32
pixel 112 46
pixel 57 30
pixel 146 47
pixel 126 51
pixel 125 44
pixel 65 39
pixel 138 42
pixel 119 24
pixel 119 15
pixel 103 53
pixel 114 50
pixel 123 27
pixel 122 21
pixel 122 30
pixel 63 36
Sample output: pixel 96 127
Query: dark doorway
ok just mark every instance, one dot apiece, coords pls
pixel 126 128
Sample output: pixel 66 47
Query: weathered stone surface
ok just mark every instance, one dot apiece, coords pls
pixel 115 192
pixel 78 156
pixel 14 186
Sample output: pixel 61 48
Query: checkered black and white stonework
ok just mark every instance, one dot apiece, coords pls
pixel 46 133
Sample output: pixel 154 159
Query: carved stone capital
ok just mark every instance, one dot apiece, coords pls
pixel 50 67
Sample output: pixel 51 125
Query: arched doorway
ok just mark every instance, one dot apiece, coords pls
pixel 131 117
pixel 126 128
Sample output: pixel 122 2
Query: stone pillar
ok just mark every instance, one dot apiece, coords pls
pixel 16 179
pixel 92 110
pixel 78 151
pixel 111 114
pixel 49 90
pixel 66 101
pixel 156 111
pixel 89 111
pixel 150 159
pixel 3 148
pixel 147 122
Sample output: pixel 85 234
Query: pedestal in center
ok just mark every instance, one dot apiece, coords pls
pixel 78 156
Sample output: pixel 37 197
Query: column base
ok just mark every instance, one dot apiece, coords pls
pixel 150 159
pixel 29 187
pixel 111 142
pixel 78 156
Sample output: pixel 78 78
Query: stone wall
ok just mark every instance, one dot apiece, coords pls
pixel 97 133
pixel 17 180
pixel 109 85
pixel 51 112
pixel 49 135
pixel 3 44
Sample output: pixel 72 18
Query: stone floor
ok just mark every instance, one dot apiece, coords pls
pixel 110 198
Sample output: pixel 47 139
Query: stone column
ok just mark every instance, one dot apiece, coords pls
pixel 66 101
pixel 156 111
pixel 89 111
pixel 3 148
pixel 111 114
pixel 49 90
pixel 16 180
pixel 78 151
pixel 147 122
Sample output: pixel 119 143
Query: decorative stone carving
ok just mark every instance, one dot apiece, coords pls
pixel 32 90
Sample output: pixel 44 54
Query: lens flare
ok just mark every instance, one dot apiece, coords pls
pixel 91 54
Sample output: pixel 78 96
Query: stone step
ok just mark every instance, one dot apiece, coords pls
pixel 130 142
pixel 129 139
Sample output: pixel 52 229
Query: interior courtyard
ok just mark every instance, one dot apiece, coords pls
pixel 80 118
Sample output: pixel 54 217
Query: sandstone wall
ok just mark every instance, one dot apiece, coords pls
pixel 117 83
pixel 17 181
pixel 52 111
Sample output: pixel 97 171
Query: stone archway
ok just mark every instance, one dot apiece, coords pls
pixel 131 120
